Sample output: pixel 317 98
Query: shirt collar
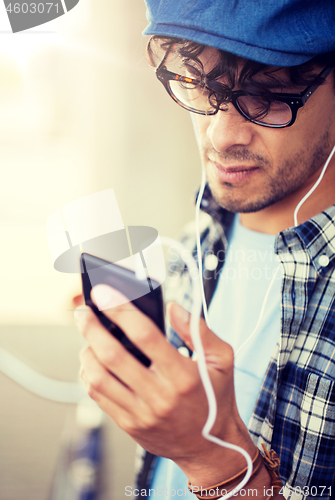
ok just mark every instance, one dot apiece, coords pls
pixel 317 234
pixel 318 237
pixel 210 207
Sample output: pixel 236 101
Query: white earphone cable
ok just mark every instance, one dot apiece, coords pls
pixel 302 201
pixel 198 243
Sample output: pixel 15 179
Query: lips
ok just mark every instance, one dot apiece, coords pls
pixel 233 173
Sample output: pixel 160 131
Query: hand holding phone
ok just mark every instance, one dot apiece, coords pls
pixel 148 293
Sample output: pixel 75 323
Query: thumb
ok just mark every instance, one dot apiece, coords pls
pixel 212 344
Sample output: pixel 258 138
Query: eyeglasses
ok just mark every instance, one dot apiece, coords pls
pixel 276 110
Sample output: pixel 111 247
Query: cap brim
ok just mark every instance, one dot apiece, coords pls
pixel 269 57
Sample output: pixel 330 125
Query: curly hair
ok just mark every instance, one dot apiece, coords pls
pixel 237 71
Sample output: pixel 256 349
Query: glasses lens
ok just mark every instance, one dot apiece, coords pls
pixel 192 93
pixel 274 113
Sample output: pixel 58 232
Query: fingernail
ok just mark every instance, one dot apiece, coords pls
pixel 106 297
pixel 180 313
pixel 80 316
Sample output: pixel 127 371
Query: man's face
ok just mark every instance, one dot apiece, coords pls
pixel 250 167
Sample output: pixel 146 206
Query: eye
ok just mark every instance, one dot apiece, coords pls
pixel 264 110
pixel 253 106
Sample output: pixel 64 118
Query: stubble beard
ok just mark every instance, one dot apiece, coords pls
pixel 290 176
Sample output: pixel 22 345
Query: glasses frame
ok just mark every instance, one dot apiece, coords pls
pixel 294 101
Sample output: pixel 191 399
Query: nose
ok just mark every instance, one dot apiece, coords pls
pixel 227 128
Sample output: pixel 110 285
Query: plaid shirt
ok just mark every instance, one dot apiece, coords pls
pixel 295 409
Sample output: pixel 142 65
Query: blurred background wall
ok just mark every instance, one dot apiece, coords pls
pixel 80 111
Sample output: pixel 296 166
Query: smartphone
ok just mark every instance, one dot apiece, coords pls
pixel 148 293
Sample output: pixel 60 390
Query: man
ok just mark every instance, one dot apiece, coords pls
pixel 260 83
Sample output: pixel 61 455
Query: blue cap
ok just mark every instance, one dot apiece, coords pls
pixel 273 32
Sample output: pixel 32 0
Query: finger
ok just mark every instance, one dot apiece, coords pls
pixel 217 352
pixel 99 382
pixel 140 329
pixel 78 300
pixel 131 424
pixel 180 320
pixel 120 415
pixel 111 353
pixel 118 401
